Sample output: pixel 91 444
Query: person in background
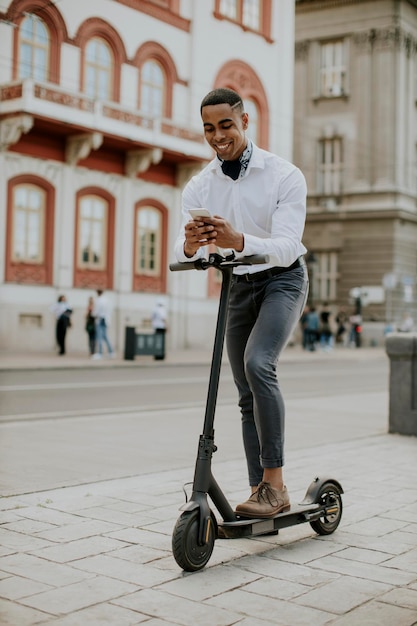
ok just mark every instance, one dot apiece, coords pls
pixel 326 335
pixel 159 324
pixel 90 325
pixel 407 324
pixel 62 313
pixel 312 329
pixel 341 320
pixel 102 315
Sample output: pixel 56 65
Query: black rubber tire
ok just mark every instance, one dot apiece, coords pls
pixel 329 495
pixel 189 555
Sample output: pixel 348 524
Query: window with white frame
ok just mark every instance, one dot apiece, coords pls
pixel 152 89
pixel 29 205
pixel 99 67
pixel 330 166
pixel 92 233
pixel 148 241
pixel 324 277
pixel 332 69
pixel 251 14
pixel 228 8
pixel 251 109
pixel 33 49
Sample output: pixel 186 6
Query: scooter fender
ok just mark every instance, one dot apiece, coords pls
pixel 191 505
pixel 312 493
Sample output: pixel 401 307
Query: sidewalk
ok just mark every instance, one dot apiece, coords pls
pixel 100 553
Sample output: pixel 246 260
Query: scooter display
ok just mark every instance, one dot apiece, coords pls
pixel 197 528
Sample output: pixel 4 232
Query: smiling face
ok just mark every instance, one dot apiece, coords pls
pixel 224 130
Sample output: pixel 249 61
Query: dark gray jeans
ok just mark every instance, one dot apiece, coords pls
pixel 262 316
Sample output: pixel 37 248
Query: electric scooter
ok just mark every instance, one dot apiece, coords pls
pixel 197 528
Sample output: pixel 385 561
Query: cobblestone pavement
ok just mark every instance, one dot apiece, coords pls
pixel 100 553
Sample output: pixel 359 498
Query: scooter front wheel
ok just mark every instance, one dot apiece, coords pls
pixel 188 553
pixel 330 499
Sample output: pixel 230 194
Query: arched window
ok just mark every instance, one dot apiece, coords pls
pixel 94 239
pixel 150 242
pixel 152 89
pixel 33 49
pixel 28 239
pixel 99 66
pixel 252 109
pixel 157 77
pixel 30 228
pixel 92 233
pixel 242 78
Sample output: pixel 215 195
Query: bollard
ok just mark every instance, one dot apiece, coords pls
pixel 402 351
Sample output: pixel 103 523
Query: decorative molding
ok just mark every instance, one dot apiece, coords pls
pixel 302 49
pixel 187 170
pixel 138 161
pixel 391 37
pixel 79 146
pixel 11 129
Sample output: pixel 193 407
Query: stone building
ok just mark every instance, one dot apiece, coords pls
pixel 99 132
pixel 355 138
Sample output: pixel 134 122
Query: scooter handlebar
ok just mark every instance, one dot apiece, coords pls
pixel 203 264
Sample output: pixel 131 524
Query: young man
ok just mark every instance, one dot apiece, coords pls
pixel 258 205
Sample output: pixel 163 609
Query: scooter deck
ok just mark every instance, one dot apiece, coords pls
pixel 248 527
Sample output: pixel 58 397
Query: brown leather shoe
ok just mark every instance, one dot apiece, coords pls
pixel 265 502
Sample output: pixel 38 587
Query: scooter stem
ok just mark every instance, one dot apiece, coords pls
pixel 217 351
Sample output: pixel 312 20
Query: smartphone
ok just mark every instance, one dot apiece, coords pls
pixel 199 213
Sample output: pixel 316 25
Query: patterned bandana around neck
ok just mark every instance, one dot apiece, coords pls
pixel 237 168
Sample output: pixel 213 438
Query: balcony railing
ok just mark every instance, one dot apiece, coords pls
pixel 50 101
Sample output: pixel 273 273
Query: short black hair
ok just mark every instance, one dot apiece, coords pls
pixel 222 95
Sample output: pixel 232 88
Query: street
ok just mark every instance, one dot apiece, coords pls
pixel 69 427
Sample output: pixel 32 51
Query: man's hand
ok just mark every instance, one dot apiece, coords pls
pixel 203 231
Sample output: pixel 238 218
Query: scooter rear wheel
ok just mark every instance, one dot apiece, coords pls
pixel 330 498
pixel 188 553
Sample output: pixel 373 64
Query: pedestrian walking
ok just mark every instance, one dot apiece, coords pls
pixel 90 326
pixel 62 313
pixel 159 324
pixel 326 335
pixel 102 315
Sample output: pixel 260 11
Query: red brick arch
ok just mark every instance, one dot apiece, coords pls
pixel 152 50
pixel 242 78
pixel 31 273
pixel 96 27
pixel 53 20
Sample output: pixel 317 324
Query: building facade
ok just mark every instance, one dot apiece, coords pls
pixel 99 132
pixel 355 138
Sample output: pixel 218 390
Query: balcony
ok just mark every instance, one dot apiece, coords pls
pixel 46 105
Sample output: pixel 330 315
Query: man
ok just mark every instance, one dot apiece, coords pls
pixel 258 206
pixel 101 313
pixel 159 324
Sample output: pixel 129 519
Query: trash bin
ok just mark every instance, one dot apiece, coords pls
pixel 148 344
pixel 402 351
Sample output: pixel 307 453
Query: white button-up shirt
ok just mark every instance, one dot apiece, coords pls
pixel 267 205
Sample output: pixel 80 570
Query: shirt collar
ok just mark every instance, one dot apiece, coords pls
pixel 244 158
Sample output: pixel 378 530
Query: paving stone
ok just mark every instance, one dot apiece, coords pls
pixel 308 550
pixel 105 614
pixel 139 554
pixel 28 526
pixel 407 561
pixel 363 555
pixel 19 541
pixel 13 614
pixel 378 573
pixel 284 613
pixel 208 583
pixel 67 552
pixel 140 536
pixel 270 566
pixel 158 604
pixel 377 614
pixel 43 571
pixel 401 597
pixel 79 595
pixel 375 526
pixel 276 588
pixel 117 516
pixel 342 595
pixel 16 587
pixel 136 573
pixel 72 532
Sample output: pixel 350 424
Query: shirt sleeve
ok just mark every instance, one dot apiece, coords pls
pixel 189 201
pixel 284 245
